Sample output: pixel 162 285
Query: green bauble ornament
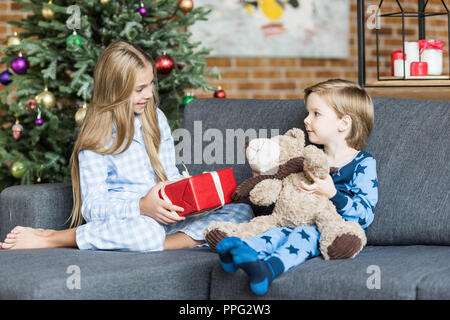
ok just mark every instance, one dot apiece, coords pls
pixel 17 169
pixel 74 40
pixel 188 98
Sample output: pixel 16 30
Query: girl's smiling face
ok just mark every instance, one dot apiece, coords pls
pixel 322 122
pixel 143 90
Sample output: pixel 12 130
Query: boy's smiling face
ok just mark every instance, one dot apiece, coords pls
pixel 143 90
pixel 322 122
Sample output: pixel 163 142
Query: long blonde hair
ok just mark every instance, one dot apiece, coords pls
pixel 115 75
pixel 348 98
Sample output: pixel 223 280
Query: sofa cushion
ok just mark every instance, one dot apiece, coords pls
pixel 45 206
pixel 403 272
pixel 435 286
pixel 410 142
pixel 45 274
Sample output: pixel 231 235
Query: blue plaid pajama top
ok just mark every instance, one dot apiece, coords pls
pixel 112 185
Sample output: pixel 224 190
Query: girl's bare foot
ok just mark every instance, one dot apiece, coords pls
pixel 27 238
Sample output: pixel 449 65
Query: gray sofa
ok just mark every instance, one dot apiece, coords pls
pixel 407 256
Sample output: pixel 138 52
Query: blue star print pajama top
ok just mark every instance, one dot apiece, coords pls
pixel 112 185
pixel 355 200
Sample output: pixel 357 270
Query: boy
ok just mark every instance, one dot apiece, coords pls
pixel 340 117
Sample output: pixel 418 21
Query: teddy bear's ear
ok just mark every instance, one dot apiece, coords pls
pixel 296 133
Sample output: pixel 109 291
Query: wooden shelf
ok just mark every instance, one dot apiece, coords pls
pixel 441 77
pixel 416 93
pixel 410 81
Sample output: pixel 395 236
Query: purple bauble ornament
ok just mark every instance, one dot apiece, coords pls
pixel 38 121
pixel 5 77
pixel 19 65
pixel 142 11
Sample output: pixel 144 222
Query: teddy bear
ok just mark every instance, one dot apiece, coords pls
pixel 278 165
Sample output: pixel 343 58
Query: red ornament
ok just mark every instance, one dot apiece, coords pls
pixel 31 104
pixel 220 93
pixel 164 64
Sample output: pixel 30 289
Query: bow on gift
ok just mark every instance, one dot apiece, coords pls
pixel 431 44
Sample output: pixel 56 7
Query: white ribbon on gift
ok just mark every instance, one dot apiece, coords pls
pixel 217 184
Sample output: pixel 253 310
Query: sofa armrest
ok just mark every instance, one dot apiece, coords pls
pixel 45 206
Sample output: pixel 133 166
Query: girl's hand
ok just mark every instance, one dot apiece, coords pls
pixel 153 206
pixel 323 187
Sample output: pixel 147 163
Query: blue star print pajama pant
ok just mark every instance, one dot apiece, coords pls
pixel 291 246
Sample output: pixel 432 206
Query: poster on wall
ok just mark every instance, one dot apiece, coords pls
pixel 275 28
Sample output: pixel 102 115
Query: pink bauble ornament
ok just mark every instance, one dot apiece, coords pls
pixel 17 131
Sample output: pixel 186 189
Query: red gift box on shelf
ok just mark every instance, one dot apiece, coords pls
pixel 200 193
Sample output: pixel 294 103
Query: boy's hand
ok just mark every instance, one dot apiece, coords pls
pixel 323 187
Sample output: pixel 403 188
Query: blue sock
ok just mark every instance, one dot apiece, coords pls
pixel 261 273
pixel 223 249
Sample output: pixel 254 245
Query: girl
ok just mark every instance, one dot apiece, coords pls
pixel 340 117
pixel 123 155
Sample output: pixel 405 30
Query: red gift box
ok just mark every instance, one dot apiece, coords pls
pixel 201 193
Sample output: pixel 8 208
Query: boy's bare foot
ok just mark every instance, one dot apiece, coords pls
pixel 26 238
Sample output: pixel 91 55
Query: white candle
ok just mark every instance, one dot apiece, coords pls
pixel 398 68
pixel 412 51
pixel 435 61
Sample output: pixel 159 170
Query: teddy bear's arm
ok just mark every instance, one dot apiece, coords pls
pixel 266 192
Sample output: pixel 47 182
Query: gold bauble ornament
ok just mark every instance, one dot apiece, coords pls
pixel 186 6
pixel 13 40
pixel 46 98
pixel 81 114
pixel 48 13
pixel 104 1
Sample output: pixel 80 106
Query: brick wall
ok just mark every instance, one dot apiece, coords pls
pixel 286 78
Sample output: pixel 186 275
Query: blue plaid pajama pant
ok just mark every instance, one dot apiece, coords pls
pixel 142 233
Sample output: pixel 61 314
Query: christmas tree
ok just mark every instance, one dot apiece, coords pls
pixel 50 68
